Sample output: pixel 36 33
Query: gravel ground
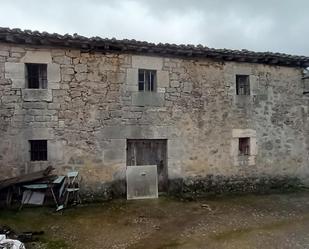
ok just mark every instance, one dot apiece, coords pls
pixel 251 221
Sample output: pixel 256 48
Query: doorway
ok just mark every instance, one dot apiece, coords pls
pixel 149 152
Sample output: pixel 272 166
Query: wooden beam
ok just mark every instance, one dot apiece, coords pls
pixel 26 178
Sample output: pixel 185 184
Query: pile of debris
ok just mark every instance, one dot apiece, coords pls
pixel 9 239
pixel 10 243
pixel 33 188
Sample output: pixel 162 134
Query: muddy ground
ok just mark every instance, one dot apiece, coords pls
pixel 251 221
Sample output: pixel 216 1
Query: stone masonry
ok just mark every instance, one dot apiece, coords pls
pixel 92 106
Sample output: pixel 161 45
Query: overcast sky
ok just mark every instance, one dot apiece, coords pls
pixel 260 25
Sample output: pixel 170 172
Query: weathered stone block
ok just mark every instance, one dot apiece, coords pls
pixel 4 53
pixel 37 95
pixel 132 77
pixel 81 68
pixel 9 99
pixel 147 62
pixel 148 99
pixel 176 149
pixel 55 150
pixel 52 85
pixel 54 106
pixel 115 77
pixel 32 133
pixel 37 57
pixel 68 70
pixel 130 88
pixel 53 73
pixel 65 60
pixel 73 53
pixel 134 132
pixel 115 151
pixel 81 76
pixel 16 55
pixel 175 169
pixel 162 79
pixel 16 73
pixel 42 118
pixel 243 133
pixel 34 105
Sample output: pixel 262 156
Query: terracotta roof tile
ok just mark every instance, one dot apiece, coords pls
pixel 29 37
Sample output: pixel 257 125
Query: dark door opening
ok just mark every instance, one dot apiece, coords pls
pixel 149 152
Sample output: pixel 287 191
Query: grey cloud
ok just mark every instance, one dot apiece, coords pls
pixel 273 25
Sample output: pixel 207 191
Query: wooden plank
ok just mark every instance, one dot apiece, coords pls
pixel 26 178
pixel 36 186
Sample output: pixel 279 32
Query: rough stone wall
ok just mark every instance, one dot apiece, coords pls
pixel 92 105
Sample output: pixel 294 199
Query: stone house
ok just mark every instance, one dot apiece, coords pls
pixel 212 120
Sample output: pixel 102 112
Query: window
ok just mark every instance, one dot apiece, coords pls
pixel 244 146
pixel 38 150
pixel 306 84
pixel 242 85
pixel 146 80
pixel 36 75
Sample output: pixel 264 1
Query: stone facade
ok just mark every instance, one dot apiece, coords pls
pixel 92 106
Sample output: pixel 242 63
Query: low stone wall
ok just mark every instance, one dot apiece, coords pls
pixel 215 185
pixel 211 185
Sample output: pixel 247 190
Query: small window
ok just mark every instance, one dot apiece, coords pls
pixel 242 85
pixel 38 150
pixel 146 80
pixel 306 85
pixel 36 75
pixel 244 146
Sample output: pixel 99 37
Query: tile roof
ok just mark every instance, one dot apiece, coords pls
pixel 28 37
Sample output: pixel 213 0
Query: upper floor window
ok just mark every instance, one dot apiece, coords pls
pixel 36 75
pixel 146 80
pixel 242 85
pixel 38 150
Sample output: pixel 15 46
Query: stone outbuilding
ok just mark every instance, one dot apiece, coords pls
pixel 212 120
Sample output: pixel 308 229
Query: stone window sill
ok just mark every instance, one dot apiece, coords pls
pixel 37 95
pixel 147 99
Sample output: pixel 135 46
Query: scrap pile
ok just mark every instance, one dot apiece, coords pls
pixel 33 188
pixel 10 243
pixel 9 239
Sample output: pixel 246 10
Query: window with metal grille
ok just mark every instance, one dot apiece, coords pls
pixel 146 80
pixel 38 150
pixel 242 85
pixel 244 146
pixel 36 75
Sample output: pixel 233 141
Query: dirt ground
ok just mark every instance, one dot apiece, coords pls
pixel 251 221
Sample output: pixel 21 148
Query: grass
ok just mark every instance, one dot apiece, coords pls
pixel 54 244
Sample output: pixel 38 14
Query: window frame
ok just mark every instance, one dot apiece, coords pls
pixel 36 75
pixel 149 81
pixel 244 146
pixel 243 85
pixel 38 150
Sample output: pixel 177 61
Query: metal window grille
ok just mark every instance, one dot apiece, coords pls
pixel 242 85
pixel 38 150
pixel 36 75
pixel 146 80
pixel 244 146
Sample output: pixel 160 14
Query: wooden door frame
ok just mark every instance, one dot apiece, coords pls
pixel 165 159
